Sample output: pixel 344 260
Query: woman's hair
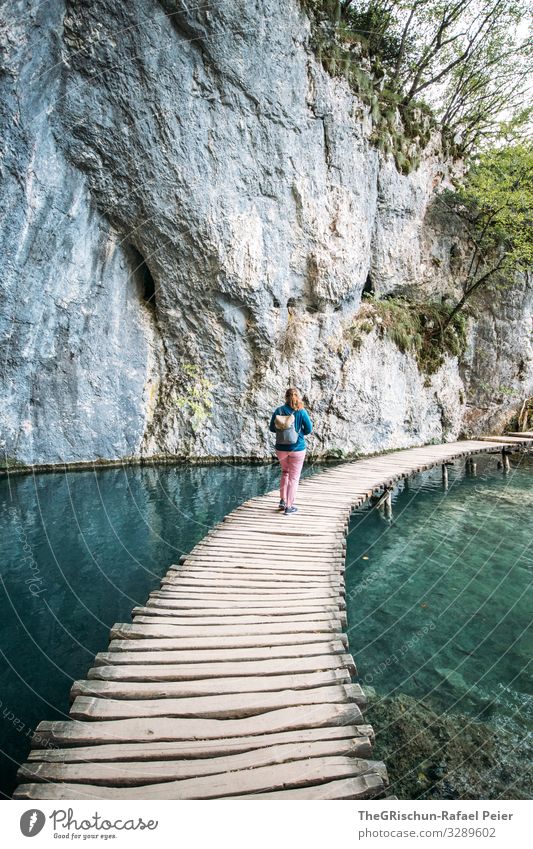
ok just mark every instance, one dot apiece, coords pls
pixel 293 398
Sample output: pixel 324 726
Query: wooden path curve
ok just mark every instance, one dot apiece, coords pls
pixel 234 680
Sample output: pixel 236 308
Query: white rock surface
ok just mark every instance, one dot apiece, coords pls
pixel 210 144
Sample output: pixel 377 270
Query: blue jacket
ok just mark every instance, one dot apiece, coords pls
pixel 302 424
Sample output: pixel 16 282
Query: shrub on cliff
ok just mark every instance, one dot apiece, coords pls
pixel 421 328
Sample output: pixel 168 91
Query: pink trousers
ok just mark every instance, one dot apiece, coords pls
pixel 291 466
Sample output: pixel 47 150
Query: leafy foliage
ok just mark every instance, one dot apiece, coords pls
pixel 421 328
pixel 397 130
pixel 467 63
pixel 495 206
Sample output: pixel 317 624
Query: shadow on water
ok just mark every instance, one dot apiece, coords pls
pixel 439 614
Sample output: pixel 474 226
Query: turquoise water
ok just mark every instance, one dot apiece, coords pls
pixel 79 551
pixel 439 599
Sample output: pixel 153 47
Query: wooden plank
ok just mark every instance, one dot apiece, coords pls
pixel 262 779
pixel 215 642
pixel 125 631
pixel 268 506
pixel 319 513
pixel 363 787
pixel 176 599
pixel 195 671
pixel 244 653
pixel 315 621
pixel 228 584
pixel 253 576
pixel 252 654
pixel 160 729
pixel 230 706
pixel 261 560
pixel 321 564
pixel 274 533
pixel 174 586
pixel 320 583
pixel 251 572
pixel 168 591
pixel 195 614
pixel 231 580
pixel 235 635
pixel 266 510
pixel 272 525
pixel 316 596
pixel 234 577
pixel 241 526
pixel 302 525
pixel 301 547
pixel 292 555
pixel 233 615
pixel 135 773
pixel 264 569
pixel 207 687
pixel 174 582
pixel 505 440
pixel 235 534
pixel 173 597
pixel 285 561
pixel 320 496
pixel 151 616
pixel 177 750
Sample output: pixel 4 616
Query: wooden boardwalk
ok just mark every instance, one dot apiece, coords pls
pixel 234 680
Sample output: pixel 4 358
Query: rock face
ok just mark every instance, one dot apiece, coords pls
pixel 191 210
pixel 498 370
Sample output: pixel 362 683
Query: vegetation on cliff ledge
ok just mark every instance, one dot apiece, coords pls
pixel 424 329
pixel 457 66
pixel 460 69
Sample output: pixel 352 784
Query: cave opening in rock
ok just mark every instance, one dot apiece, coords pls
pixel 368 288
pixel 143 274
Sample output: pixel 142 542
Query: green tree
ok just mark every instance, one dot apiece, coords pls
pixel 495 205
pixel 471 60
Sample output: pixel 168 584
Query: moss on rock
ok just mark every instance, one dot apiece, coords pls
pixel 417 327
pixel 432 755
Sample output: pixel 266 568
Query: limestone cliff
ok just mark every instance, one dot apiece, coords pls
pixel 191 209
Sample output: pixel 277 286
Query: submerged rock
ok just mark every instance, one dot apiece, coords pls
pixel 431 755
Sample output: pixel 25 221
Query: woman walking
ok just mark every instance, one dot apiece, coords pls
pixel 290 422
